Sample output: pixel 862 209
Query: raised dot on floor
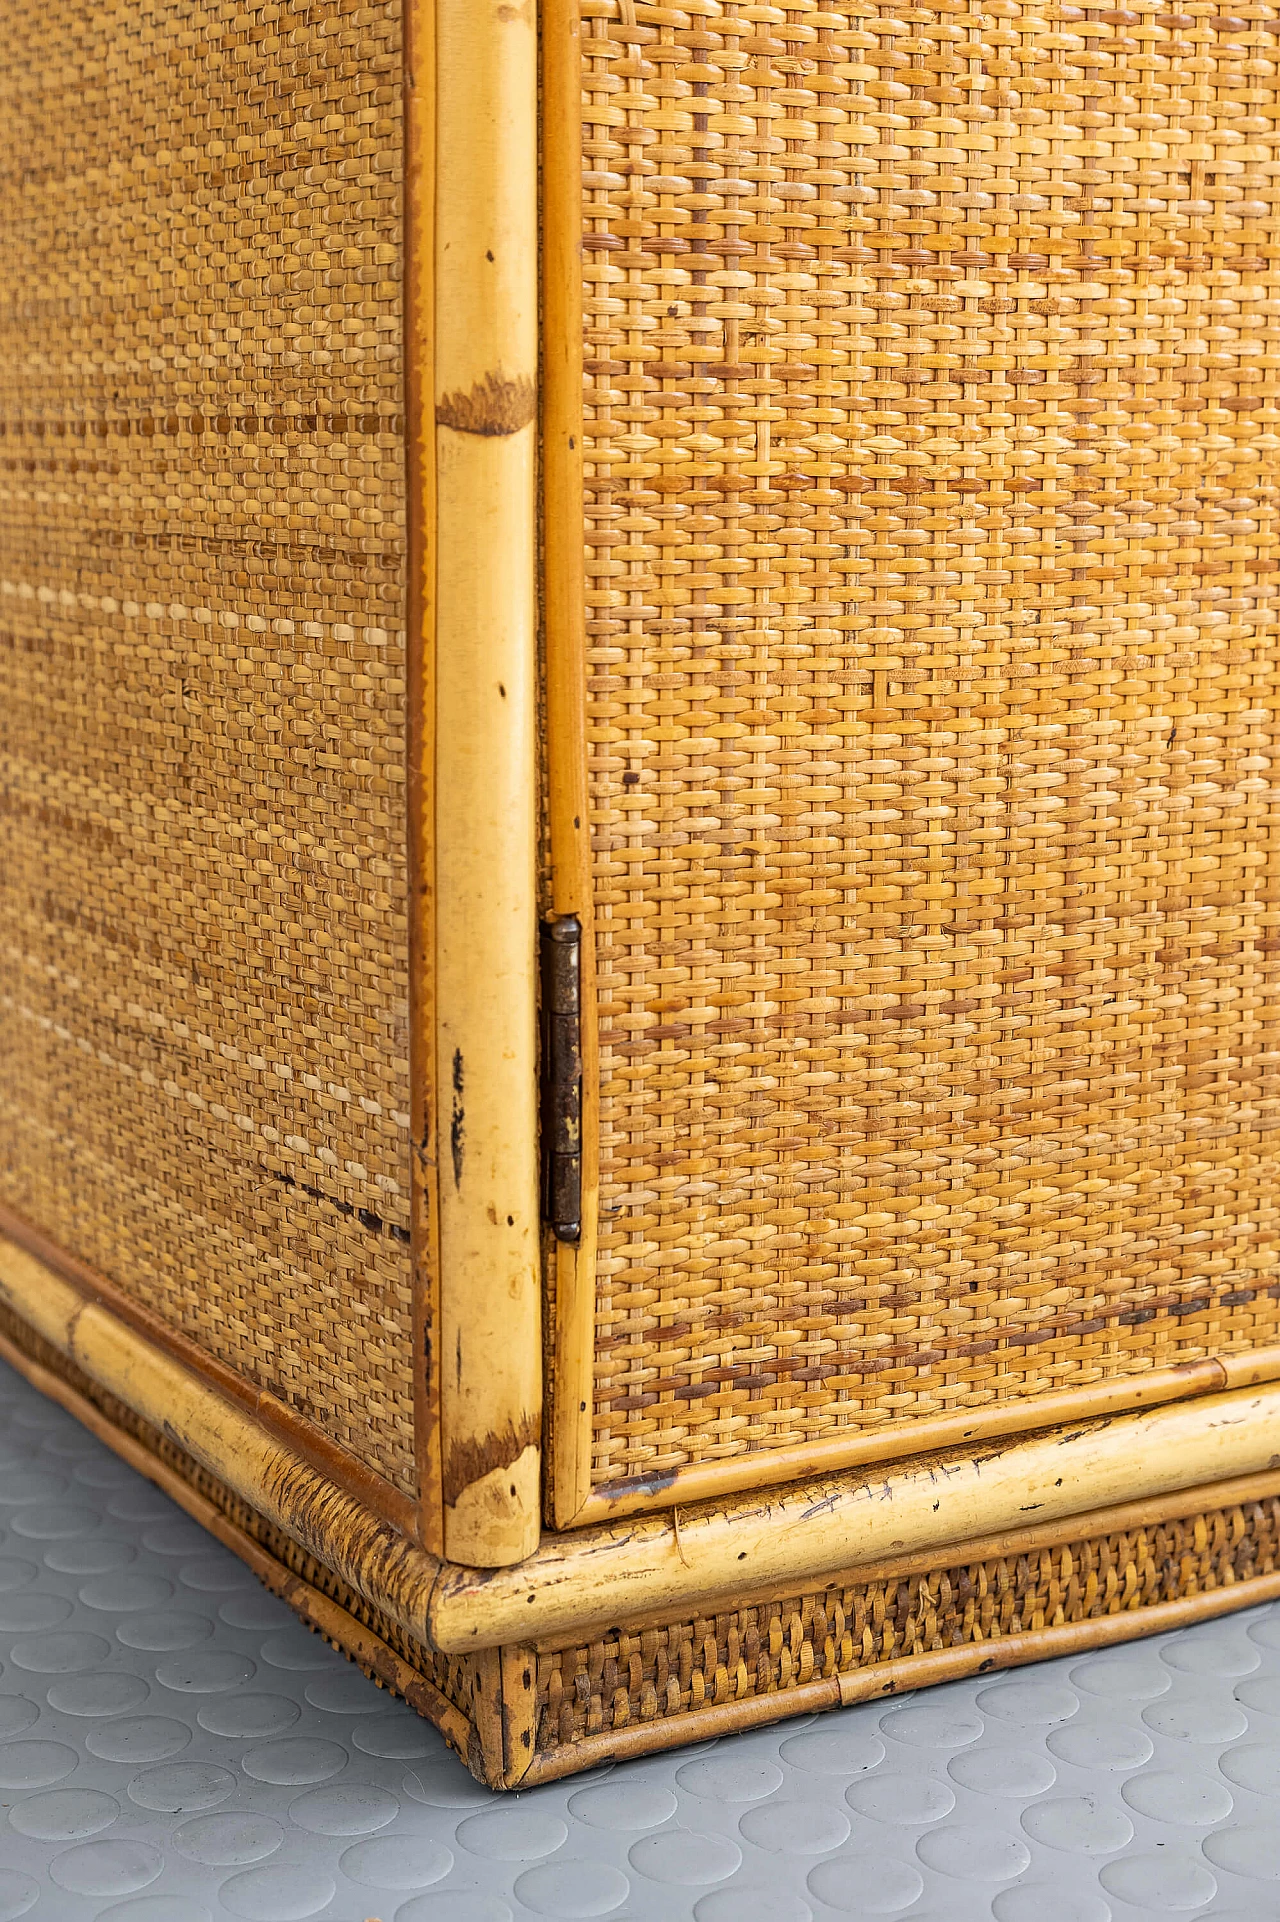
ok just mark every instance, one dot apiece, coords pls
pixel 1100 1745
pixel 15 1573
pixel 1013 1774
pixel 32 1610
pixel 1247 1848
pixel 18 1893
pixel 22 1486
pixel 396 1862
pixel 1167 1879
pixel 298 1651
pixel 903 1800
pixel 1081 1824
pixel 16 1713
pixel 60 1652
pixel 1029 1701
pixel 64 1815
pixel 89 1558
pixel 157 1908
pixel 205 1671
pixel 685 1858
pixel 35 1765
pixel 623 1807
pixel 294 1761
pixel 747 1904
pixel 866 1883
pixel 834 1751
pixel 1177 1796
pixel 396 1736
pixel 120 1591
pixel 164 1631
pixel 106 1868
pixel 138 1738
pixel 725 1777
pixel 1123 1675
pixel 182 1788
pixel 516 1833
pixel 55 1521
pixel 1212 1649
pixel 973 1853
pixel 278 1893
pixel 348 1808
pixel 345 1692
pixel 1253 1765
pixel 794 1828
pixel 1261 1692
pixel 256 1611
pixel 1049 1902
pixel 940 1725
pixel 443 1784
pixel 231 1840
pixel 571 1890
pixel 221 1574
pixel 247 1715
pixel 100 1694
pixel 454 1905
pixel 1196 1720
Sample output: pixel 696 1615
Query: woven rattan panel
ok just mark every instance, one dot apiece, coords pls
pixel 202 822
pixel 931 550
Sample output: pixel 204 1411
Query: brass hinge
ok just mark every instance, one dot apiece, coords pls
pixel 562 1076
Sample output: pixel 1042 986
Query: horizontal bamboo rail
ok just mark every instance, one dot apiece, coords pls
pixel 882 1680
pixel 787 1541
pixel 768 1468
pixel 794 1538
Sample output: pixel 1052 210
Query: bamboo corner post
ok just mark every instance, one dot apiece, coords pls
pixel 486 348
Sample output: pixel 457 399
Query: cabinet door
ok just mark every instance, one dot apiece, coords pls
pixel 913 685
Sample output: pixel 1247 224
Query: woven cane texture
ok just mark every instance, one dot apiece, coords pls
pixel 202 820
pixel 714 1661
pixel 931 543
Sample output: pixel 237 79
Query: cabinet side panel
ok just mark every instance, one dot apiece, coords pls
pixel 203 1011
pixel 930 550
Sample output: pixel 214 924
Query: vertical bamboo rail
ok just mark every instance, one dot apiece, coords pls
pixel 420 477
pixel 486 358
pixel 565 616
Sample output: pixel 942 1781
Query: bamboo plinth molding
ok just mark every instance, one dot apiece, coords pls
pixel 790 493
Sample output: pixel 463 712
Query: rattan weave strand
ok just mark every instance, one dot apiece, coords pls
pixel 931 542
pixel 202 822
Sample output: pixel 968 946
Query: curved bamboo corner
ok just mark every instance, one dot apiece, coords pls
pixel 485 721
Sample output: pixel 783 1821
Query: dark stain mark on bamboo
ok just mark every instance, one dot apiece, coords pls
pixel 457 1120
pixel 495 406
pixel 468 1462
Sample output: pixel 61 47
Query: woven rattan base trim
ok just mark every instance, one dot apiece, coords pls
pixel 522 1716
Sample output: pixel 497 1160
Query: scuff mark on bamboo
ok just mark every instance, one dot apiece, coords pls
pixel 493 407
pixel 458 1120
pixel 470 1460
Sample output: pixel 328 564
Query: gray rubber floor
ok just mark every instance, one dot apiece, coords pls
pixel 174 1747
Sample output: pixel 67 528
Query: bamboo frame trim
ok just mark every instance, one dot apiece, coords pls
pixel 277 1419
pixel 796 1537
pixel 712 1481
pixel 484 377
pixel 569 824
pixel 884 1679
pixel 420 490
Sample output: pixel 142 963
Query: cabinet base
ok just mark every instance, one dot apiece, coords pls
pixel 519 1716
